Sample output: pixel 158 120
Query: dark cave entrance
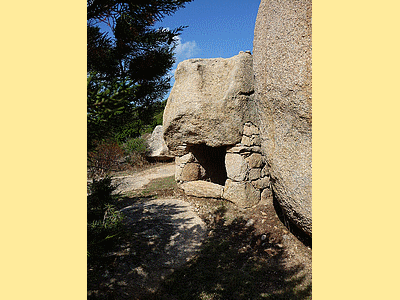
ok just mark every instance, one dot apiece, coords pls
pixel 212 159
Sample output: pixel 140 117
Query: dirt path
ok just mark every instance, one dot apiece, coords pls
pixel 164 234
pixel 168 233
pixel 140 179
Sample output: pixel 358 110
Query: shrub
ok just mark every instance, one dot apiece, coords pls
pixel 135 145
pixel 104 221
pixel 130 128
pixel 101 194
pixel 135 149
pixel 105 158
pixel 102 233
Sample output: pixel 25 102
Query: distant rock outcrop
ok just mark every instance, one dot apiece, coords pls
pixel 282 69
pixel 156 147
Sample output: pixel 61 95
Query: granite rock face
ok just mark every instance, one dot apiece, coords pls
pixel 282 69
pixel 209 101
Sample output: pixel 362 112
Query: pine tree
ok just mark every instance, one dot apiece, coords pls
pixel 127 69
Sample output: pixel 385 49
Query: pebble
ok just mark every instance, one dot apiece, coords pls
pixel 249 223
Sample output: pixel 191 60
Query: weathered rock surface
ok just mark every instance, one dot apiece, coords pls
pixel 250 129
pixel 192 171
pixel 236 166
pixel 204 189
pixel 254 174
pixel 243 194
pixel 209 101
pixel 282 69
pixel 261 183
pixel 265 137
pixel 255 160
pixel 157 148
pixel 243 149
pixel 184 159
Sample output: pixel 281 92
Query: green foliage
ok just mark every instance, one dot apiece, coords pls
pixel 104 221
pixel 158 118
pixel 127 69
pixel 100 53
pixel 106 102
pixel 100 194
pixel 128 130
pixel 102 234
pixel 135 145
pixel 106 99
pixel 135 150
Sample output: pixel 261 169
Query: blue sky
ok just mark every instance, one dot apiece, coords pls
pixel 216 28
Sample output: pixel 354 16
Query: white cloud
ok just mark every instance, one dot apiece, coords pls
pixel 185 50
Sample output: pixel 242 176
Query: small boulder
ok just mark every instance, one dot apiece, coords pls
pixel 184 159
pixel 192 171
pixel 203 189
pixel 261 183
pixel 249 129
pixel 254 174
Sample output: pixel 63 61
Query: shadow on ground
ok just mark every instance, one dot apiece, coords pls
pixel 233 262
pixel 160 236
pixel 237 264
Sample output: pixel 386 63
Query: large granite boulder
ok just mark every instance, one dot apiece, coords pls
pixel 282 69
pixel 156 147
pixel 209 101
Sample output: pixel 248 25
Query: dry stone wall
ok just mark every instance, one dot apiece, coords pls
pixel 246 170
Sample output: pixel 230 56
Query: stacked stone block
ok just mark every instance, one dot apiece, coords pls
pixel 188 168
pixel 246 169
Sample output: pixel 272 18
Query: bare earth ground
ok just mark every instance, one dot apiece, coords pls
pixel 138 180
pixel 180 247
